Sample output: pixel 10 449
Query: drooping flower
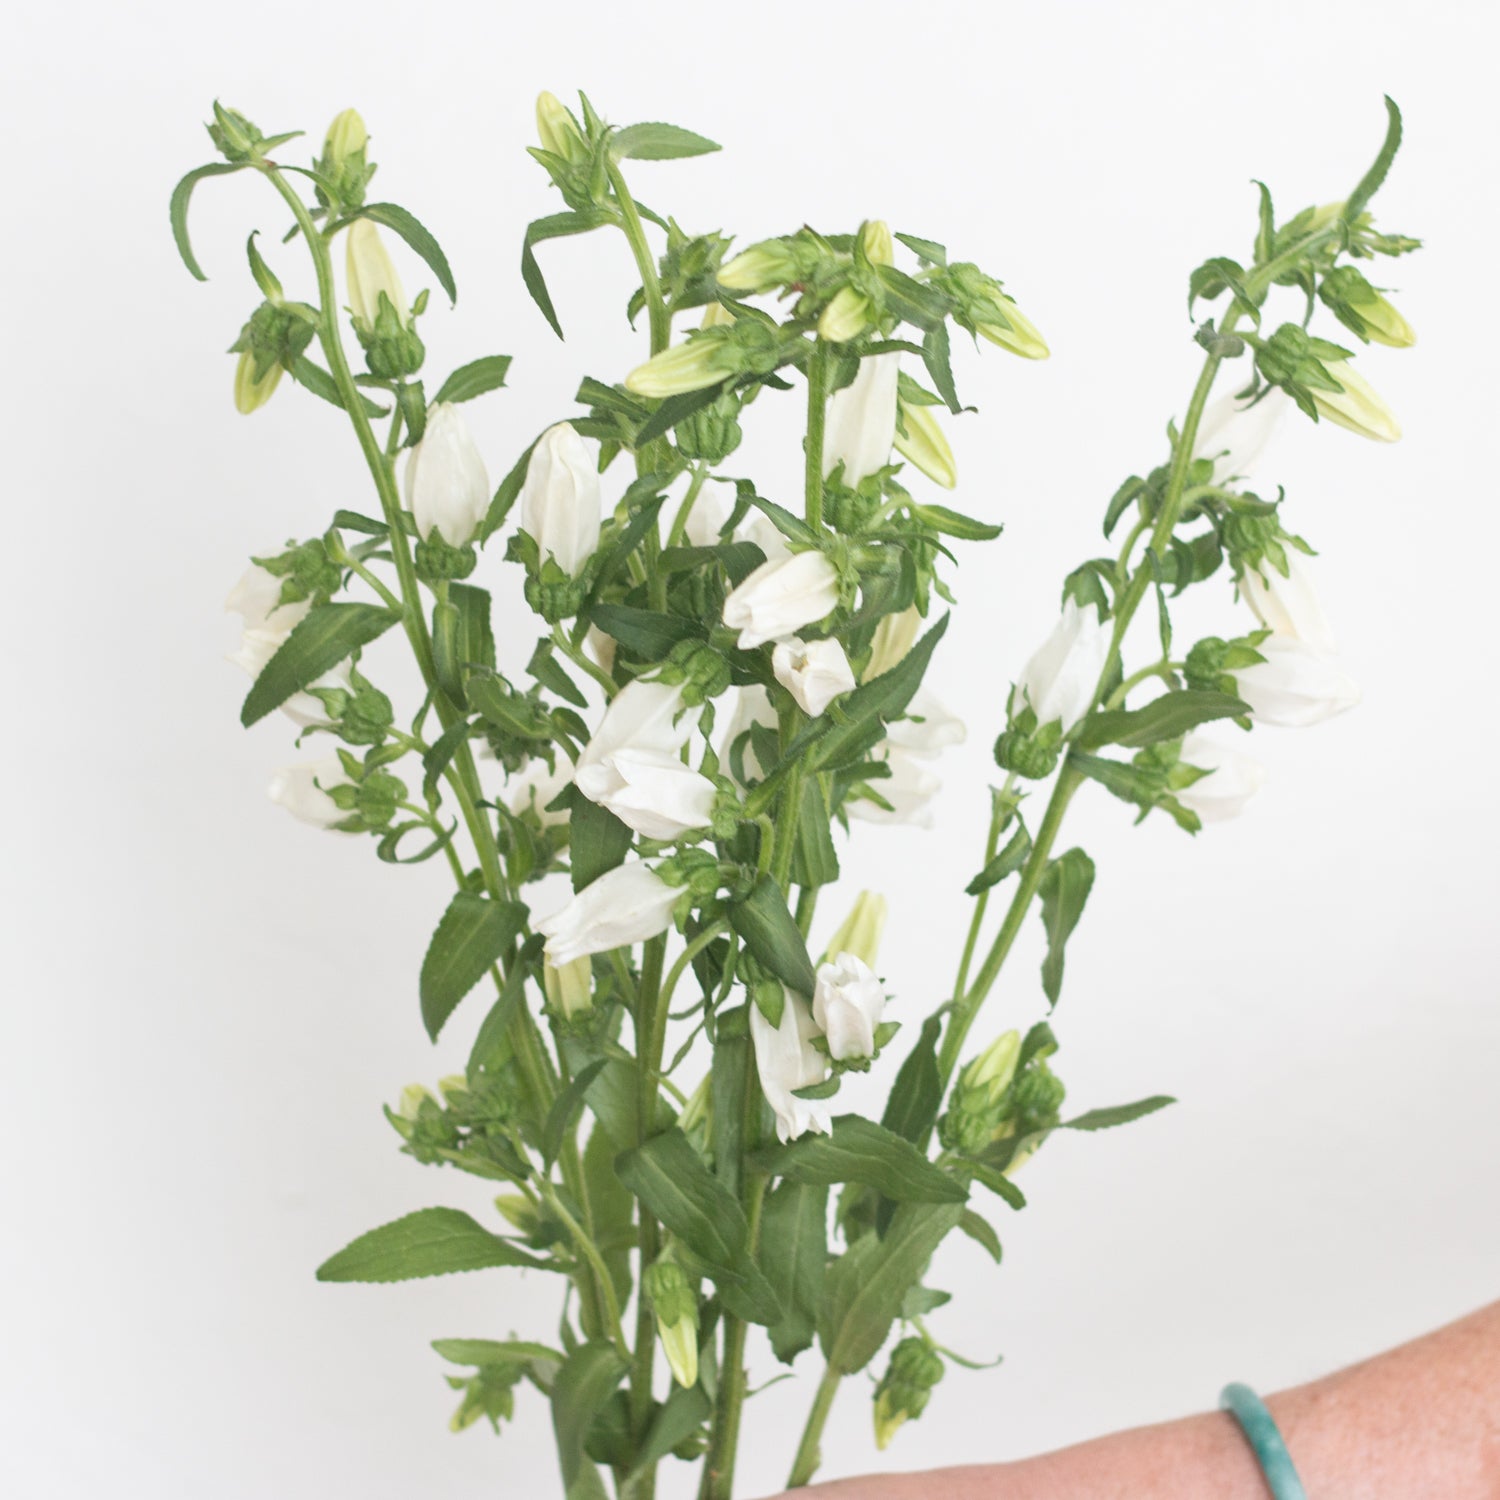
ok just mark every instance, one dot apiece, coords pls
pixel 848 1002
pixel 1294 687
pixel 625 905
pixel 447 489
pixel 860 427
pixel 1232 780
pixel 303 791
pixel 1060 679
pixel 813 672
pixel 909 790
pixel 1234 433
pixel 560 497
pixel 780 597
pixel 929 727
pixel 1287 604
pixel 786 1060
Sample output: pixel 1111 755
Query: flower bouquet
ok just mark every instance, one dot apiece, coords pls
pixel 642 804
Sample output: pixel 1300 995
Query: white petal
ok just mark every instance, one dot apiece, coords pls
pixel 860 426
pixel 1294 687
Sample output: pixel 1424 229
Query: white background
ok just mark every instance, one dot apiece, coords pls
pixel 206 1004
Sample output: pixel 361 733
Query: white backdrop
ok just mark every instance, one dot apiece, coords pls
pixel 205 1003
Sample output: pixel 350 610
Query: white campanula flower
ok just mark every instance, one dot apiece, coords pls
pixel 1234 433
pixel 1294 687
pixel 268 622
pixel 780 597
pixel 625 905
pixel 786 1060
pixel 1232 780
pixel 371 272
pixel 895 635
pixel 303 791
pixel 848 1002
pixel 929 727
pixel 860 427
pixel 753 706
pixel 447 489
pixel 909 789
pixel 813 672
pixel 1288 604
pixel 560 498
pixel 643 715
pixel 256 599
pixel 758 527
pixel 1060 679
pixel 1357 405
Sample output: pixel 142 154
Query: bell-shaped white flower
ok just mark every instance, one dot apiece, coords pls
pixel 909 789
pixel 780 597
pixel 929 727
pixel 1234 433
pixel 848 1003
pixel 1060 679
pixel 1232 780
pixel 447 489
pixel 752 706
pixel 303 791
pixel 643 715
pixel 560 498
pixel 786 1060
pixel 256 599
pixel 1294 687
pixel 860 427
pixel 813 672
pixel 625 905
pixel 1288 605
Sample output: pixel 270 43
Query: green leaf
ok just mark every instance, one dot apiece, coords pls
pixel 1370 183
pixel 181 196
pixel 729 1078
pixel 929 250
pixel 675 409
pixel 1118 1114
pixel 472 935
pixel 440 754
pixel 951 523
pixel 670 1178
pixel 771 934
pixel 315 378
pixel 815 860
pixel 794 1256
pixel 548 671
pixel 912 1109
pixel 1006 862
pixel 597 843
pixel 646 633
pixel 994 1178
pixel 654 141
pixel 982 1232
pixel 505 494
pixel 566 1108
pixel 554 226
pixel 1064 889
pixel 1164 718
pixel 475 378
pixel 586 1381
pixel 1265 233
pixel 935 355
pixel 491 1045
pixel 352 520
pixel 430 1242
pixel 411 229
pixel 470 643
pixel 326 636
pixel 487 1352
pixel 677 1418
pixel 866 1286
pixel 859 1150
pixel 611 1209
pixel 1132 489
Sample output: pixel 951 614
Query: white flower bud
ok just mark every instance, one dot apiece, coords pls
pixel 1358 406
pixel 251 394
pixel 920 440
pixel 786 1060
pixel 623 906
pixel 861 930
pixel 780 597
pixel 370 272
pixel 1232 780
pixel 848 1003
pixel 560 498
pixel 256 599
pixel 1234 434
pixel 447 489
pixel 1022 337
pixel 1060 679
pixel 895 635
pixel 691 366
pixel 303 791
pixel 569 989
pixel 1294 687
pixel 813 672
pixel 861 423
pixel 1288 605
pixel 555 128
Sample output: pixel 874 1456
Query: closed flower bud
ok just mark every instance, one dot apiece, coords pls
pixel 762 267
pixel 674 1300
pixel 876 242
pixel 1060 680
pixel 786 1060
pixel 983 308
pixel 921 441
pixel 895 635
pixel 1356 405
pixel 250 394
pixel 371 275
pixel 560 498
pixel 860 426
pixel 1286 603
pixel 623 906
pixel 906 1387
pixel 569 989
pixel 304 792
pixel 848 314
pixel 1016 332
pixel 861 930
pixel 780 597
pixel 848 1002
pixel 447 489
pixel 413 1097
pixel 813 672
pixel 1294 687
pixel 519 1212
pixel 1232 780
pixel 1233 434
pixel 991 1072
pixel 1362 309
pixel 555 129
pixel 700 362
pixel 346 136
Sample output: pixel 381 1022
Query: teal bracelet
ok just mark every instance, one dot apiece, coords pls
pixel 1265 1440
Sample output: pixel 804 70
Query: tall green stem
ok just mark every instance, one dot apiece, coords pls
pixel 658 318
pixel 809 1450
pixel 817 418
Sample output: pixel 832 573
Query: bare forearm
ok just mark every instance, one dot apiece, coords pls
pixel 1421 1420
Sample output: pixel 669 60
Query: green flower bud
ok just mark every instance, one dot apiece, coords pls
pixel 876 243
pixel 763 267
pixel 906 1387
pixel 1362 309
pixel 519 1212
pixel 1032 755
pixel 861 930
pixel 712 434
pixel 412 1098
pixel 569 989
pixel 488 1394
pixel 437 561
pixel 984 309
pixel 847 316
pixel 704 360
pixel 557 598
pixel 920 440
pixel 674 1300
pixel 1039 1094
pixel 252 393
pixel 377 798
pixel 702 671
pixel 992 1071
pixel 272 339
pixel 346 138
pixel 556 129
pixel 233 134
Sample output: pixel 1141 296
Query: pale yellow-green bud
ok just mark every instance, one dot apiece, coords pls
pixel 453 1084
pixel 674 1300
pixel 555 129
pixel 1358 406
pixel 861 930
pixel 251 394
pixel 518 1211
pixel 684 367
pixel 847 316
pixel 570 989
pixel 680 1344
pixel 994 1068
pixel 875 239
pixel 1324 215
pixel 412 1098
pixel 346 135
pixel 1385 325
pixel 759 268
pixel 895 635
pixel 371 271
pixel 1022 337
pixel 924 443
pixel 716 315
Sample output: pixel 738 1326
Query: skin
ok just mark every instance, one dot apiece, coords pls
pixel 1422 1420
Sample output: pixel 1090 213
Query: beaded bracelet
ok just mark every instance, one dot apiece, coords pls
pixel 1265 1440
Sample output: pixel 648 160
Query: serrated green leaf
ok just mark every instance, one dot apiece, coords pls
pixel 429 1242
pixel 554 226
pixel 929 250
pixel 586 1381
pixel 1118 1114
pixel 566 1109
pixel 646 633
pixel 182 196
pixel 326 636
pixel 417 236
pixel 951 523
pixel 1164 718
pixel 937 357
pixel 815 860
pixel 491 1045
pixel 1370 183
pixel 1006 862
pixel 474 379
pixel 982 1232
pixel 794 1256
pixel 597 843
pixel 859 1150
pixel 770 932
pixel 917 1093
pixel 1064 889
pixel 313 377
pixel 474 932
pixel 655 141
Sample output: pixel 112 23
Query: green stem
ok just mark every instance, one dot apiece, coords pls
pixel 688 954
pixel 807 904
pixel 817 417
pixel 809 1456
pixel 678 529
pixel 659 318
pixel 584 1243
pixel 982 901
pixel 580 658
